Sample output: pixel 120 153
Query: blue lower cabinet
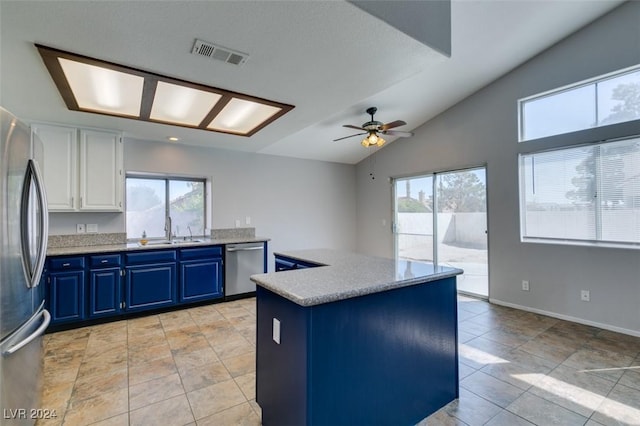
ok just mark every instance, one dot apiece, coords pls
pixel 66 294
pixel 104 292
pixel 200 280
pixel 150 286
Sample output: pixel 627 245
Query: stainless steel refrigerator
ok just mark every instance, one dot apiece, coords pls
pixel 23 244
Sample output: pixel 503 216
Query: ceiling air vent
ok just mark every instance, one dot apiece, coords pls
pixel 220 53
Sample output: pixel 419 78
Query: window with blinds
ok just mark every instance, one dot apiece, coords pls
pixel 582 195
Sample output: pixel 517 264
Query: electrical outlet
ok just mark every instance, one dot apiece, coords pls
pixel 276 330
pixel 92 228
pixel 247 220
pixel 525 285
pixel 237 223
pixel 585 295
pixel 80 228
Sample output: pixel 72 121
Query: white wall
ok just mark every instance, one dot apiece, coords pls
pixel 297 203
pixel 482 130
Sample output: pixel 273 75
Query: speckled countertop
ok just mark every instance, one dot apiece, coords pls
pixel 106 248
pixel 346 275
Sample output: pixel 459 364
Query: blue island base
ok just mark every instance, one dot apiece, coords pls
pixel 387 358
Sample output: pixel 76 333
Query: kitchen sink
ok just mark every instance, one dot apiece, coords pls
pixel 172 242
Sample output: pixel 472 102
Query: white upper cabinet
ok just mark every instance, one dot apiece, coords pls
pixel 100 171
pixel 59 165
pixel 82 168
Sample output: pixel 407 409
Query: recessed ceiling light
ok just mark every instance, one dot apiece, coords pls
pixel 96 86
pixel 181 105
pixel 101 89
pixel 241 115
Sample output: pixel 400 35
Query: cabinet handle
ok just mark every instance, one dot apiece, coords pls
pixel 65 265
pixel 104 261
pixel 72 202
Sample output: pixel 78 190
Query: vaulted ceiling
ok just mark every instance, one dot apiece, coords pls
pixel 330 59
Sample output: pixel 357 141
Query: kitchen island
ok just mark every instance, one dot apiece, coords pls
pixel 357 340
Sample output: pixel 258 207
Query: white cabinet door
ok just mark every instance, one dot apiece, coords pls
pixel 100 171
pixel 59 166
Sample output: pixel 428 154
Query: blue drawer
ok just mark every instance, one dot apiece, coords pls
pixel 200 252
pixel 104 260
pixel 66 263
pixel 151 256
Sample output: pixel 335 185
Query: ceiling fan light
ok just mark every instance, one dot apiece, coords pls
pixel 372 140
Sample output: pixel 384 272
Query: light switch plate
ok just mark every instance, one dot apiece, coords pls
pixel 276 330
pixel 92 228
pixel 80 228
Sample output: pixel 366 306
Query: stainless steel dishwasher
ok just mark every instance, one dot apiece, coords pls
pixel 242 261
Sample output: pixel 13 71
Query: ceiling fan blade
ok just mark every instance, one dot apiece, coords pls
pixel 346 137
pixel 352 127
pixel 398 133
pixel 393 124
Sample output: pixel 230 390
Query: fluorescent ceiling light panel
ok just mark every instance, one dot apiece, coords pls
pixel 182 105
pixel 95 86
pixel 101 89
pixel 242 116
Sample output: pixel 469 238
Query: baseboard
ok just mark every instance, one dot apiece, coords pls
pixel 609 327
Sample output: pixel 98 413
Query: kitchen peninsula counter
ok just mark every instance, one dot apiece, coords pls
pixel 355 340
pixel 343 274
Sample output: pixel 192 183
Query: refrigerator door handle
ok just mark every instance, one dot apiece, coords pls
pixel 45 323
pixel 34 272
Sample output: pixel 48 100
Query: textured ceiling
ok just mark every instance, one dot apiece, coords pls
pixel 330 59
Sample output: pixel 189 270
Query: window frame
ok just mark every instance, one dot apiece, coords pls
pixel 598 207
pixel 563 89
pixel 167 178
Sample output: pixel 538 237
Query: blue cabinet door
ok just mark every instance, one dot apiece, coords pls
pixel 200 280
pixel 104 292
pixel 66 291
pixel 150 286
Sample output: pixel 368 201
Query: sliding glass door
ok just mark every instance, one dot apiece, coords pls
pixel 456 234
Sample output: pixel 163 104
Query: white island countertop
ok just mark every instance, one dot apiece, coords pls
pixel 345 275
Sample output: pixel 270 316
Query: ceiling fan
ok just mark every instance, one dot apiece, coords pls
pixel 372 128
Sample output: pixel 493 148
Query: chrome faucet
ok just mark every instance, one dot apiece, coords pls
pixel 167 228
pixel 190 233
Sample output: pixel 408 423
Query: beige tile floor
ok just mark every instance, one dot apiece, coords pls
pixel 197 366
pixel 173 368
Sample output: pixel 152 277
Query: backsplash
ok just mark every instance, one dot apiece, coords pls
pixel 80 240
pixel 226 233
